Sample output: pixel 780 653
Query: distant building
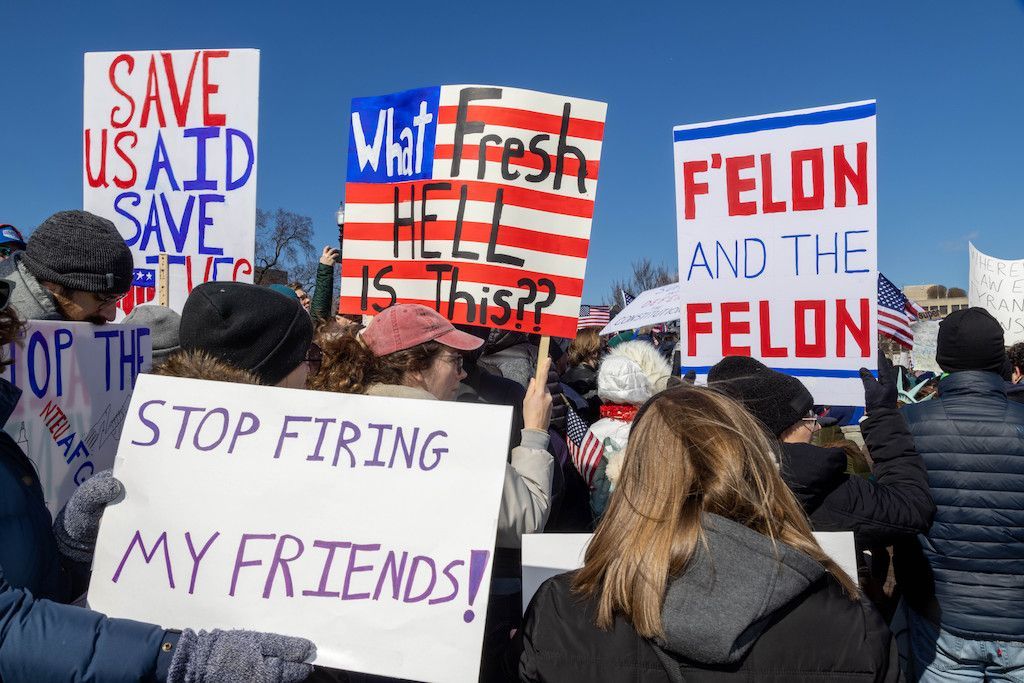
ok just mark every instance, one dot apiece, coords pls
pixel 935 299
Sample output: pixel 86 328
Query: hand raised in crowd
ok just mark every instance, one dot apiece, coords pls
pixel 79 522
pixel 214 656
pixel 330 255
pixel 537 404
pixel 882 392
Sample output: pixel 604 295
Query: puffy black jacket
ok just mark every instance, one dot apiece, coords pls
pixel 747 613
pixel 895 503
pixel 972 441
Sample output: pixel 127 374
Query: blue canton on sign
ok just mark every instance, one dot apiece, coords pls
pixel 392 137
pixel 143 277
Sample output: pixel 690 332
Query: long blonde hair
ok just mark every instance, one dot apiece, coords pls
pixel 691 451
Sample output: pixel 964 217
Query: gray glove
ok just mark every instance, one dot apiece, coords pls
pixel 227 656
pixel 78 523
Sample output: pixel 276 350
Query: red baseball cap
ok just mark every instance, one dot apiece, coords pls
pixel 404 326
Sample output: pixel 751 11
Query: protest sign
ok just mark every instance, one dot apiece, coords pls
pixel 365 524
pixel 926 341
pixel 76 380
pixel 548 555
pixel 473 200
pixel 170 157
pixel 777 232
pixel 654 306
pixel 997 285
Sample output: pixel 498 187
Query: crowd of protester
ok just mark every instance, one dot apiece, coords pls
pixel 702 499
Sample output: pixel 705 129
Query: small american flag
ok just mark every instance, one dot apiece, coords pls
pixel 627 298
pixel 594 316
pixel 895 313
pixel 585 448
pixel 575 430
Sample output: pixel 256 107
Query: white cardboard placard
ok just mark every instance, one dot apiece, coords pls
pixel 365 524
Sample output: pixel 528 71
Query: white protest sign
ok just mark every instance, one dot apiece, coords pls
pixel 170 157
pixel 548 555
pixel 926 341
pixel 997 285
pixel 654 306
pixel 777 244
pixel 365 524
pixel 76 380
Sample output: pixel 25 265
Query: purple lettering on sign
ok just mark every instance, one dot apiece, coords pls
pixel 285 434
pixel 418 561
pixel 282 562
pixel 239 563
pixel 397 573
pixel 331 546
pixel 353 568
pixel 242 430
pixel 197 558
pixel 377 462
pixel 147 556
pixel 344 443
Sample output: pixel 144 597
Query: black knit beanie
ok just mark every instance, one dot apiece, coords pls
pixel 253 328
pixel 971 339
pixel 80 251
pixel 776 399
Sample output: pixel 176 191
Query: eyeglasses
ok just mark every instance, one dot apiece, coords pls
pixel 455 360
pixel 6 251
pixel 315 358
pixel 811 422
pixel 107 299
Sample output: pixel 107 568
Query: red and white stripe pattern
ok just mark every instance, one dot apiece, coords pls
pixel 895 313
pixel 548 228
pixel 589 457
pixel 594 316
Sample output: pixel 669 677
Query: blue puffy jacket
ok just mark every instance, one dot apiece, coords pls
pixel 972 442
pixel 42 640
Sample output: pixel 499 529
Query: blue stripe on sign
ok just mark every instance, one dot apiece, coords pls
pixel 795 372
pixel 814 118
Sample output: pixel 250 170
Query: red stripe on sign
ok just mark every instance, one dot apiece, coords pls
pixel 508 236
pixel 531 160
pixel 480 273
pixel 477 190
pixel 551 325
pixel 524 119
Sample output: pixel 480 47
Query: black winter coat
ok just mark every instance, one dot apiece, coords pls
pixel 745 615
pixel 896 503
pixel 972 441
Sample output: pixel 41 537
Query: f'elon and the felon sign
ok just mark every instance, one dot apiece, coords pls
pixel 473 242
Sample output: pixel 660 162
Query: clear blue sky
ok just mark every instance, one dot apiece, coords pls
pixel 948 77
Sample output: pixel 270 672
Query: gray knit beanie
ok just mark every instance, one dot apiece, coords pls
pixel 80 251
pixel 163 324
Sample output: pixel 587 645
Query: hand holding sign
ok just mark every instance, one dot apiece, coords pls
pixel 537 404
pixel 208 657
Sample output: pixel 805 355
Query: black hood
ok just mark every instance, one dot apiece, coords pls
pixel 717 609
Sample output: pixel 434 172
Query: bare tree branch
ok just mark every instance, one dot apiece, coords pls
pixel 284 241
pixel 646 275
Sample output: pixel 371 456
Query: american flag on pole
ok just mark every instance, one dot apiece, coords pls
pixel 627 298
pixel 584 447
pixel 473 200
pixel 594 316
pixel 895 313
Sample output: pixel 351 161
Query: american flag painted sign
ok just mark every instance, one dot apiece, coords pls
pixel 473 200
